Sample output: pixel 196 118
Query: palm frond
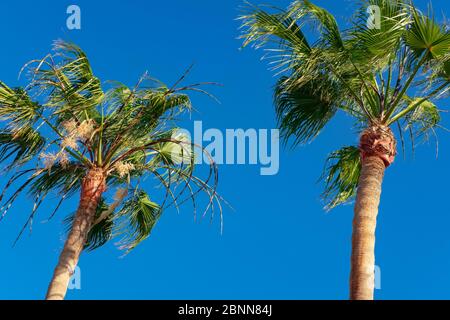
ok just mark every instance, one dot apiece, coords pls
pixel 303 111
pixel 101 232
pixel 60 178
pixel 22 144
pixel 16 107
pixel 329 34
pixel 137 218
pixel 426 35
pixel 341 175
pixel 67 77
pixel 259 27
pixel 19 137
pixel 423 119
pixel 375 46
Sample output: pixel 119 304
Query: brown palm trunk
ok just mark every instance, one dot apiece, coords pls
pixel 378 150
pixel 362 277
pixel 92 188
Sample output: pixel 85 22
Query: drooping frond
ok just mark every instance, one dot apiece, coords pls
pixel 102 231
pixel 16 107
pixel 62 179
pixel 66 76
pixel 329 33
pixel 423 120
pixel 137 218
pixel 259 28
pixel 18 138
pixel 21 144
pixel 341 175
pixel 303 111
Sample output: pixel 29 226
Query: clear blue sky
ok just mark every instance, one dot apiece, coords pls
pixel 278 243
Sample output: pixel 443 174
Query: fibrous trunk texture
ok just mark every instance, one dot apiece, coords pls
pixel 92 188
pixel 378 150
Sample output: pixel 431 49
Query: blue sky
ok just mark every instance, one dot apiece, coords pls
pixel 278 243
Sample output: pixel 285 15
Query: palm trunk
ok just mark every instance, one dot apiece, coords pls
pixel 362 276
pixel 92 188
pixel 378 150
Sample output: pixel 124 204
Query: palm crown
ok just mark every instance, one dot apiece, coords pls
pixel 63 125
pixel 384 77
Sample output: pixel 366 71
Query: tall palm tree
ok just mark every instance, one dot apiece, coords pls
pixel 385 76
pixel 63 134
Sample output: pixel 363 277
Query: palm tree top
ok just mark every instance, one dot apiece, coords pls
pixel 63 124
pixel 386 77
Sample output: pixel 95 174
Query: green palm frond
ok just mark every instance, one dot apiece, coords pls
pixel 303 111
pixel 137 218
pixel 426 35
pixel 136 116
pixel 142 115
pixel 423 119
pixel 259 27
pixel 63 179
pixel 174 148
pixel 19 138
pixel 376 45
pixel 341 175
pixel 22 144
pixel 16 107
pixel 446 68
pixel 68 79
pixel 437 75
pixel 101 232
pixel 383 39
pixel 329 34
pixel 133 223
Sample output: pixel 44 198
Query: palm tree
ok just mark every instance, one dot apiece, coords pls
pixel 63 134
pixel 385 76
